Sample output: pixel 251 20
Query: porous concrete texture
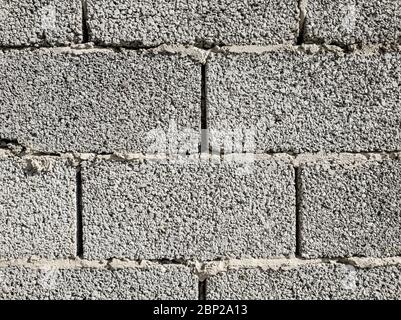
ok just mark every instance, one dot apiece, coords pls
pixel 156 282
pixel 196 22
pixel 40 22
pixel 297 101
pixel 322 281
pixel 350 209
pixel 37 208
pixel 348 22
pixel 158 149
pixel 63 100
pixel 201 210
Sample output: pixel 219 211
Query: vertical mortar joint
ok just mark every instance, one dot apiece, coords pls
pixel 204 112
pixel 298 186
pixel 202 290
pixel 79 225
pixel 302 5
pixel 85 27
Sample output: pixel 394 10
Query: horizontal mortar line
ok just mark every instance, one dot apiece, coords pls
pixel 80 47
pixel 91 46
pixel 310 48
pixel 299 159
pixel 83 263
pixel 208 269
pixel 202 268
pixel 296 159
pixel 94 45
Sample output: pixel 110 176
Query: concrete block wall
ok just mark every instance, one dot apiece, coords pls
pixel 200 149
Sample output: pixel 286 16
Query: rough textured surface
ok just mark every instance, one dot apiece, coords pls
pixel 212 22
pixel 299 102
pixel 96 101
pixel 86 127
pixel 37 208
pixel 322 281
pixel 353 21
pixel 159 282
pixel 351 210
pixel 40 22
pixel 201 210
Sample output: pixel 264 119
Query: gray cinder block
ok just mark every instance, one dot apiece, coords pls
pixel 196 22
pixel 299 102
pixel 353 21
pixel 57 100
pixel 200 210
pixel 156 282
pixel 37 208
pixel 40 22
pixel 320 281
pixel 350 209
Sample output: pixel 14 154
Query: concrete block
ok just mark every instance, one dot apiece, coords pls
pixel 293 101
pixel 37 208
pixel 196 22
pixel 350 209
pixel 55 283
pixel 40 22
pixel 199 210
pixel 308 282
pixel 347 22
pixel 62 100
